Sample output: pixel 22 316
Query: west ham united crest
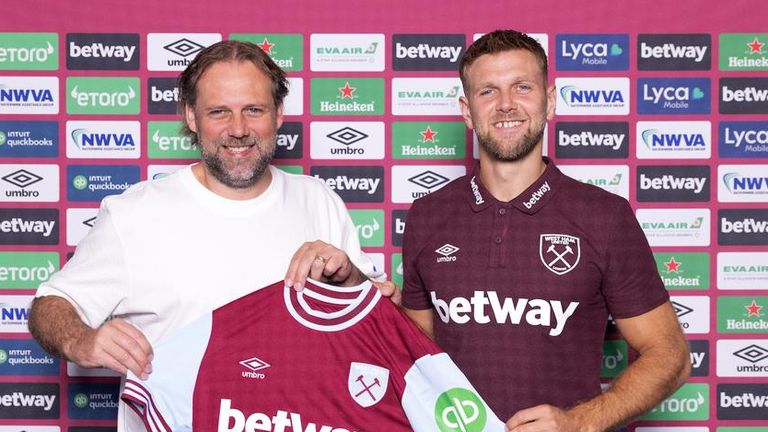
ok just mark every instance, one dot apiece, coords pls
pixel 559 253
pixel 367 383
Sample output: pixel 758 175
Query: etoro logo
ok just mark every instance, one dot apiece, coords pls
pixel 29 51
pixel 254 365
pixel 615 358
pixel 460 409
pixel 27 269
pixel 370 226
pixel 690 402
pixel 167 142
pixel 98 95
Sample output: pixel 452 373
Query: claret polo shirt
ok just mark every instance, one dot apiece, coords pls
pixel 522 290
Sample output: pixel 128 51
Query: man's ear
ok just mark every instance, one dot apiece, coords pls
pixel 551 102
pixel 189 116
pixel 465 112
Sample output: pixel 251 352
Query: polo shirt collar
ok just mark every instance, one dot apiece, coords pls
pixel 529 201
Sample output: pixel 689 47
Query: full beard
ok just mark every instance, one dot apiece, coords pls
pixel 511 153
pixel 240 174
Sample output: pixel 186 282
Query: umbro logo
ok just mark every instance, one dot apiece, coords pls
pixel 184 47
pixel 753 353
pixel 447 251
pixel 22 178
pixel 254 364
pixel 681 310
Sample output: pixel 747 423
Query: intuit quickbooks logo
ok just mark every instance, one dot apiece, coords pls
pixel 428 140
pixel 346 52
pixel 743 51
pixel 29 51
pixel 165 141
pixel 588 96
pixel 748 139
pixel 25 357
pixel 592 52
pixel 94 182
pixel 746 314
pixel 93 401
pixel 673 95
pixel 347 96
pixel 683 270
pixel 370 226
pixel 97 95
pixel 29 139
pixel 460 409
pixel 27 270
pixel 426 96
pixel 287 50
pixel 690 402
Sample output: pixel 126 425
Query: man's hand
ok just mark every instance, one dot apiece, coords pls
pixel 390 290
pixel 323 262
pixel 117 345
pixel 543 418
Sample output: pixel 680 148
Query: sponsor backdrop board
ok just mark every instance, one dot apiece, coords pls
pixel 663 104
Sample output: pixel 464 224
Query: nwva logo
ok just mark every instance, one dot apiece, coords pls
pixel 102 140
pixel 593 52
pixel 25 95
pixel 29 95
pixel 673 96
pixel 736 182
pixel 85 139
pixel 674 51
pixel 743 183
pixel 653 138
pixel 668 140
pixel 744 95
pixel 743 139
pixel 573 96
pixel 585 96
pixel 14 313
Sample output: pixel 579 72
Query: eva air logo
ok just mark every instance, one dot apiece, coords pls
pixel 81 400
pixel 167 142
pixel 690 402
pixel 286 50
pixel 29 51
pixel 370 226
pixel 80 182
pixel 460 409
pixel 360 96
pixel 743 51
pixel 428 140
pixel 96 95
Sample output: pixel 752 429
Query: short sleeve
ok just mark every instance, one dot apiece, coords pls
pixel 415 295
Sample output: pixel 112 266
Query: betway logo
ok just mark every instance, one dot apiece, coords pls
pixel 746 225
pixel 673 51
pixel 343 182
pixel 279 422
pixel 98 50
pixel 19 225
pixel 287 140
pixel 427 51
pixel 670 182
pixel 744 400
pixel 748 94
pixel 19 399
pixel 536 196
pixel 588 138
pixel 535 312
pixel 103 99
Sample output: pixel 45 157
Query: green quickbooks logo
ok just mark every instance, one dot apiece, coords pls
pixel 370 226
pixel 80 182
pixel 26 269
pixel 690 402
pixel 743 51
pixel 353 96
pixel 432 140
pixel 285 49
pixel 167 142
pixel 397 269
pixel 96 95
pixel 459 409
pixel 29 51
pixel 3 356
pixel 615 358
pixel 3 138
pixel 742 314
pixel 683 270
pixel 81 400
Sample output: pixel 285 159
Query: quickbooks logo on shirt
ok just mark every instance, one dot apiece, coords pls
pixel 690 402
pixel 286 50
pixel 683 270
pixel 673 140
pixel 673 95
pixel 97 95
pixel 93 401
pixel 742 226
pixel 592 140
pixel 743 51
pixel 347 96
pixel 743 96
pixel 667 183
pixel 29 139
pixel 588 96
pixel 426 96
pixel 29 401
pixel 370 226
pixel 353 183
pixel 747 139
pixel 460 409
pixel 615 358
pixel 742 183
pixel 346 52
pixel 674 51
pixel 165 141
pixel 94 182
pixel 27 270
pixel 25 357
pixel 592 51
pixel 29 51
pixel 745 314
pixel 428 140
pixel 418 52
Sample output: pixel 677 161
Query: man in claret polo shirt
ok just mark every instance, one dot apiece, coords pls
pixel 515 268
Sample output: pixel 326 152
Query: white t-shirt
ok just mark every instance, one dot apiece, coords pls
pixel 169 250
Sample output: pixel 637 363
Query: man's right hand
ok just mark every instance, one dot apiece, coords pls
pixel 117 345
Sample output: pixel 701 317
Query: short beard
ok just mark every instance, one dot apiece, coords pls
pixel 513 154
pixel 247 176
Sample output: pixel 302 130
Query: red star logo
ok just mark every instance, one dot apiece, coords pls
pixel 753 309
pixel 755 47
pixel 266 46
pixel 429 135
pixel 672 265
pixel 347 91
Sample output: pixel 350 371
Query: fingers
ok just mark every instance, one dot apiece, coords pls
pixel 390 290
pixel 117 345
pixel 535 419
pixel 320 261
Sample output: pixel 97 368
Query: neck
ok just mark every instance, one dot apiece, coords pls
pixel 240 194
pixel 506 180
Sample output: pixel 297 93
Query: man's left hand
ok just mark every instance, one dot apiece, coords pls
pixel 322 262
pixel 544 418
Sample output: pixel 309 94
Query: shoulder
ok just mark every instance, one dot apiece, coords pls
pixel 146 191
pixel 574 191
pixel 447 196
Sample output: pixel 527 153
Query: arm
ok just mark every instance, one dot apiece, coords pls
pixel 116 344
pixel 663 365
pixel 423 319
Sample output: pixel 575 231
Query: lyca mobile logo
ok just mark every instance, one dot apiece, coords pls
pixel 742 183
pixel 346 52
pixel 674 51
pixel 103 51
pixel 460 409
pixel 29 95
pixel 690 402
pixel 27 269
pixel 29 51
pixel 745 314
pixel 427 51
pixel 96 95
pixel 353 183
pixel 353 96
pixel 592 51
pixel 587 96
pixel 742 401
pixel 743 96
pixel 175 51
pixel 743 51
pixel 683 270
pixel 592 140
pixel 428 140
pixel 673 95
pixel 286 50
pixel 29 226
pixel 426 96
pixel 742 270
pixel 94 182
pixel 347 140
pixel 675 227
pixel 674 140
pixel 747 139
pixel 669 183
pixel 167 142
pixel 29 183
pixel 742 226
pixel 103 140
pixel 29 139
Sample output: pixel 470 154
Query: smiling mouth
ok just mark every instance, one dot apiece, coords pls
pixel 508 123
pixel 238 149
